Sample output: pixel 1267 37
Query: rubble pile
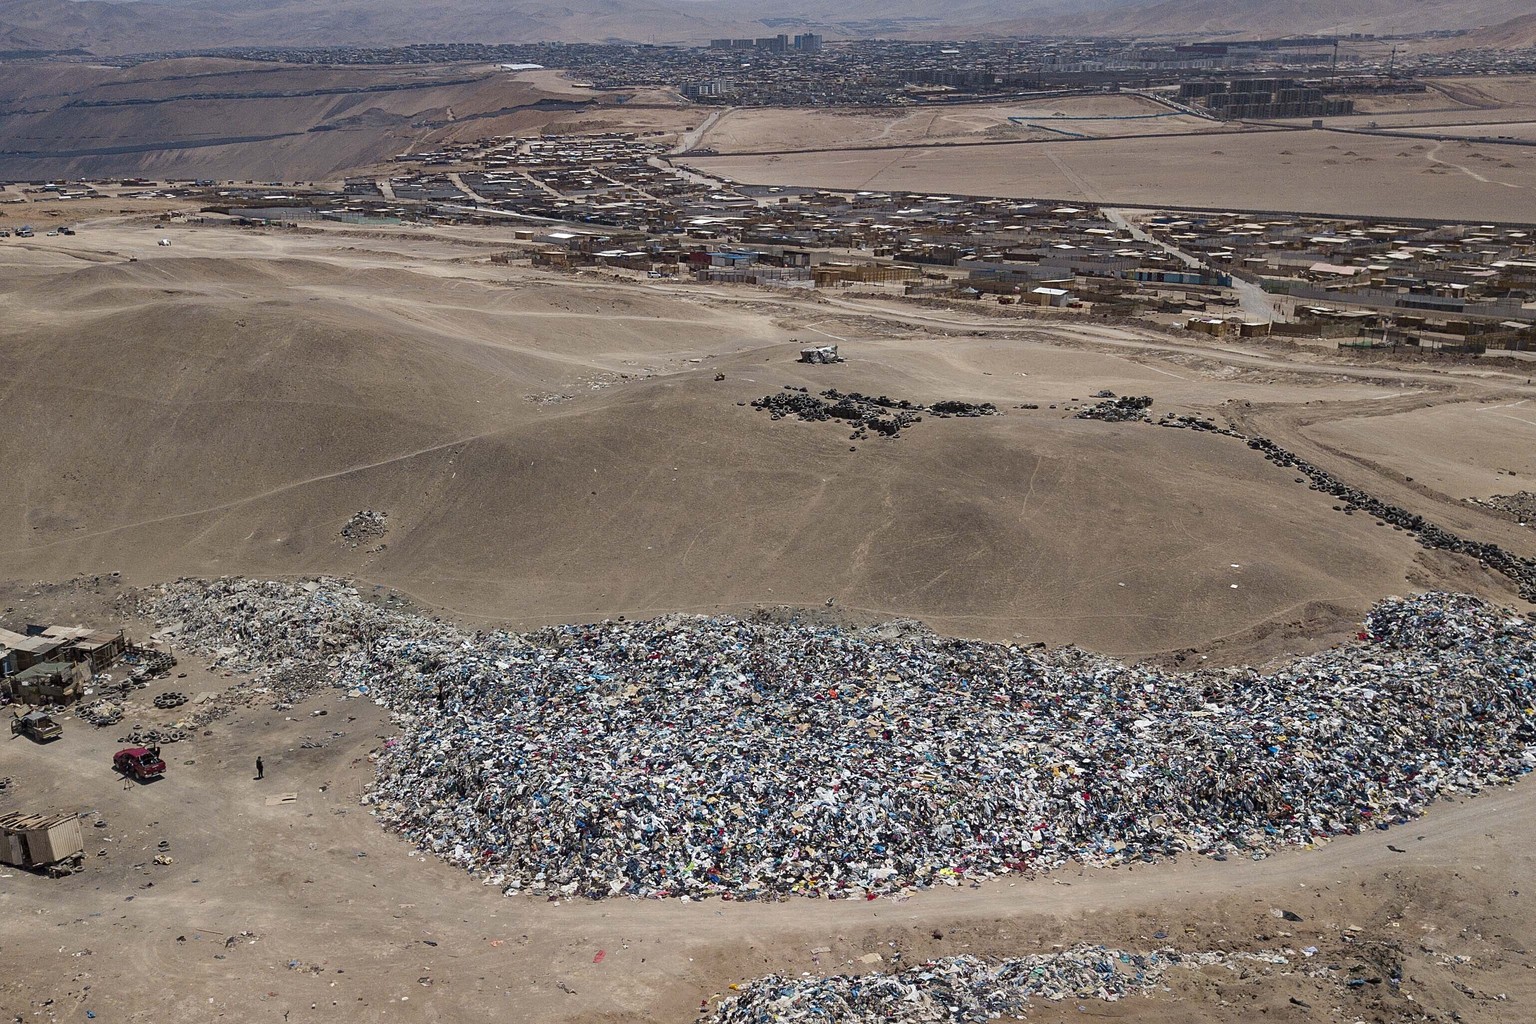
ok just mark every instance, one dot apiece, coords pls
pixel 882 415
pixel 693 756
pixel 820 355
pixel 367 525
pixel 1520 506
pixel 1125 409
pixel 950 408
pixel 966 988
pixel 970 988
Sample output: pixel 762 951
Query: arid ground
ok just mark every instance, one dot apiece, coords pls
pixel 1305 171
pixel 556 448
pixel 771 129
pixel 241 120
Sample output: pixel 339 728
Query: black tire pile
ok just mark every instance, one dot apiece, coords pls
pixel 1125 409
pixel 1521 571
pixel 878 414
pixel 100 713
pixel 153 737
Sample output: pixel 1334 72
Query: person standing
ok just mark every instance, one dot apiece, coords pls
pixel 260 769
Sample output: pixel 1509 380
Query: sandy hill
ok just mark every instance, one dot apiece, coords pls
pixel 64 25
pixel 161 25
pixel 156 26
pixel 1517 33
pixel 226 405
pixel 1248 18
pixel 231 119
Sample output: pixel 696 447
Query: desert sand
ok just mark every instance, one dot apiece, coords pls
pixel 559 448
pixel 553 449
pixel 241 120
pixel 769 129
pixel 1305 171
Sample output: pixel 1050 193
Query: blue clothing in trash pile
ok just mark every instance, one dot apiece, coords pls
pixel 690 756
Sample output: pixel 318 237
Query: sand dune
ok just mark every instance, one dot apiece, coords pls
pixel 551 453
pixel 242 120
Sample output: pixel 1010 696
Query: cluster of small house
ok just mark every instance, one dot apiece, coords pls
pixel 613 200
pixel 609 200
pixel 1467 280
pixel 650 216
pixel 59 190
pixel 802 70
pixel 47 665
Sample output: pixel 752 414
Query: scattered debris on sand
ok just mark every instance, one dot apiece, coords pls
pixel 970 988
pixel 1520 506
pixel 1519 570
pixel 364 527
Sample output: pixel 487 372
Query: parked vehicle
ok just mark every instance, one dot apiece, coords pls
pixel 36 725
pixel 142 763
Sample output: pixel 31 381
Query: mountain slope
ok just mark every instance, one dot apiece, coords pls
pixel 1249 18
pixel 116 28
pixel 1517 33
pixel 159 25
pixel 212 117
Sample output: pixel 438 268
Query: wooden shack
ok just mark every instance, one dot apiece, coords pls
pixel 51 682
pixel 99 649
pixel 42 842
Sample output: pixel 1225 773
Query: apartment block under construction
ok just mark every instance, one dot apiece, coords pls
pixel 1261 98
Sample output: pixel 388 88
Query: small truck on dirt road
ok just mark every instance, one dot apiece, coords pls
pixel 36 725
pixel 142 763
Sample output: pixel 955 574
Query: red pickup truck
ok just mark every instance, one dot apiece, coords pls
pixel 142 763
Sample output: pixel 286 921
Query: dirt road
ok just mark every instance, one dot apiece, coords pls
pixel 690 139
